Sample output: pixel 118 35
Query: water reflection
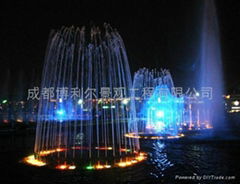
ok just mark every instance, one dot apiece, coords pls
pixel 158 158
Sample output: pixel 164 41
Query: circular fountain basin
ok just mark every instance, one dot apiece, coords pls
pixel 78 158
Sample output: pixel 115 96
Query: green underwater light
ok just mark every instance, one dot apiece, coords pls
pixel 4 101
pixel 89 167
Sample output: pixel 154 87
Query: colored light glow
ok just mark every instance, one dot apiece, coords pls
pixel 107 166
pixel 134 161
pixel 4 101
pixel 98 166
pixel 125 150
pixel 89 167
pixel 61 112
pixel 235 107
pixel 236 103
pixel 62 167
pixel 232 111
pixel 19 120
pixel 140 158
pixel 103 148
pixel 80 101
pixel 130 161
pixel 48 152
pixel 132 135
pixel 125 101
pixel 65 167
pixel 149 127
pixel 60 100
pixel 208 126
pixel 33 161
pixel 61 115
pixel 163 111
pixel 122 164
pixel 139 136
pixel 72 167
pixel 60 149
pixel 160 114
pixel 105 107
pixel 227 96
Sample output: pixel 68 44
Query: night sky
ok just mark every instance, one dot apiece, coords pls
pixel 162 34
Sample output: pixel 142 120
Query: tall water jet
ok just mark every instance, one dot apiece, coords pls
pixel 85 126
pixel 211 74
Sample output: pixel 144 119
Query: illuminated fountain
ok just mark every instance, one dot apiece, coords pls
pixel 86 128
pixel 163 112
pixel 202 110
pixel 211 75
pixel 159 110
pixel 205 108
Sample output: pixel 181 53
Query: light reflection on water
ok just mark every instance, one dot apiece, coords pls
pixel 159 159
pixel 165 161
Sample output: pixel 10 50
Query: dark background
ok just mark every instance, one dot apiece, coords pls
pixel 161 34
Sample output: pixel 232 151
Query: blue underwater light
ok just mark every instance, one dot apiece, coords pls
pixel 160 114
pixel 163 111
pixel 60 115
pixel 61 112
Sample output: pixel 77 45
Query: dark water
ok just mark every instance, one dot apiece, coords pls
pixel 198 156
